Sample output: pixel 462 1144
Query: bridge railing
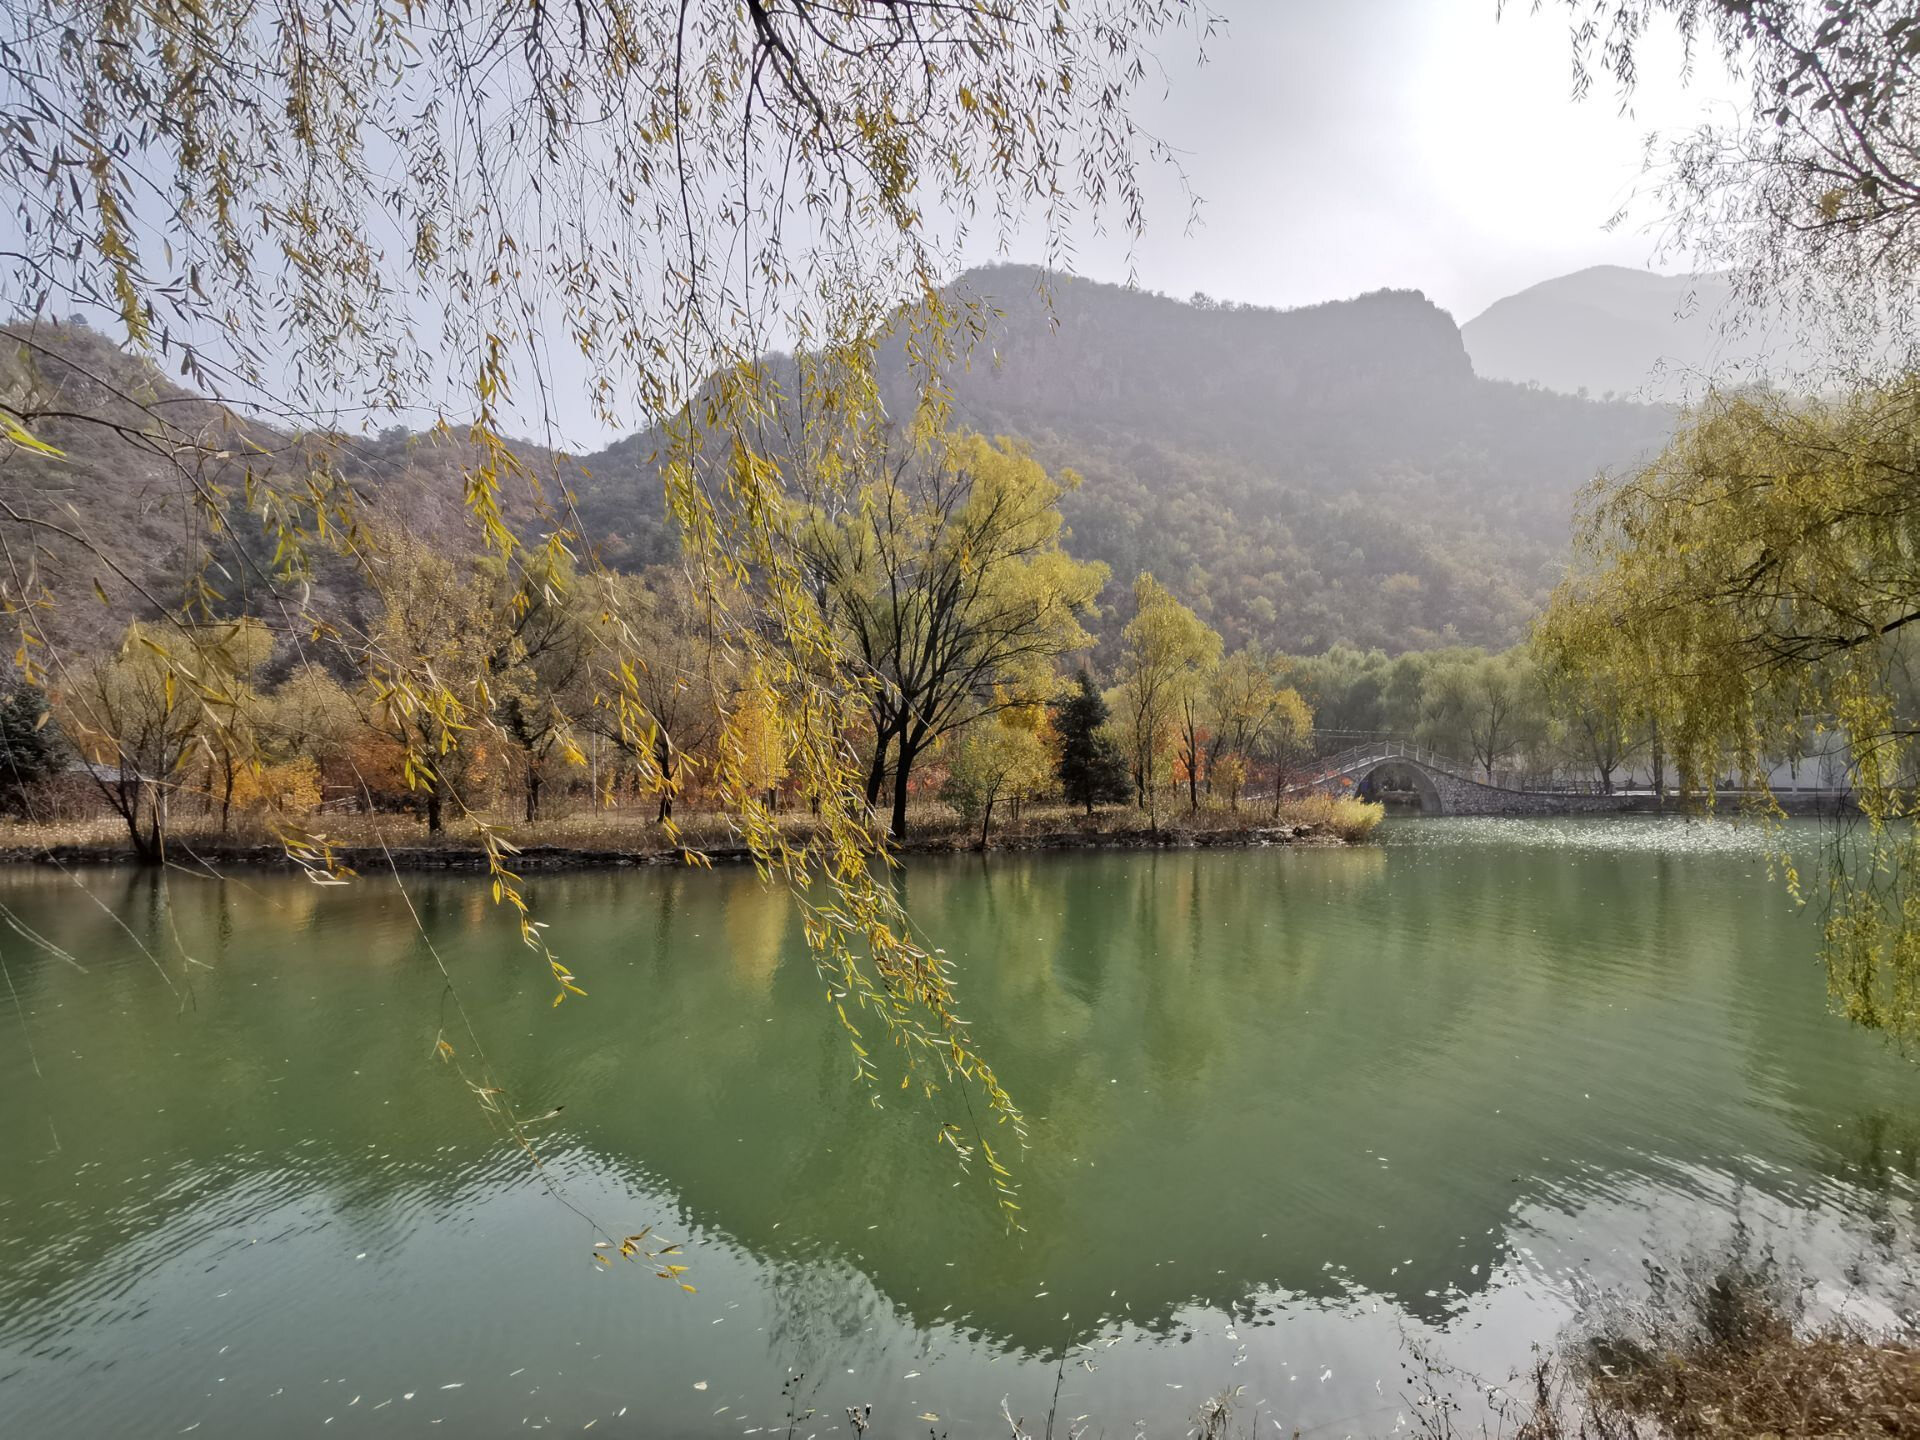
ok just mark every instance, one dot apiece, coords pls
pixel 1371 752
pixel 1323 770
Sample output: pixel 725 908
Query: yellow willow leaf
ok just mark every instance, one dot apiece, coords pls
pixel 24 438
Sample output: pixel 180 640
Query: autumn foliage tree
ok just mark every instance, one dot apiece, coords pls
pixel 144 714
pixel 1002 757
pixel 947 579
pixel 1168 653
pixel 1253 713
pixel 429 663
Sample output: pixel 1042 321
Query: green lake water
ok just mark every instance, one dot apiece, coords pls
pixel 1292 1110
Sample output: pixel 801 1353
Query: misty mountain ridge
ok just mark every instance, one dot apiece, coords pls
pixel 1612 330
pixel 1336 473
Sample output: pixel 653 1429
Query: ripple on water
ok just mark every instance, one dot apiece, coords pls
pixel 1424 1088
pixel 1650 834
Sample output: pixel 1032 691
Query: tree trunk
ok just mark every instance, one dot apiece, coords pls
pixel 664 761
pixel 877 772
pixel 898 827
pixel 434 810
pixel 533 794
pixel 986 820
pixel 1659 768
pixel 150 848
pixel 128 800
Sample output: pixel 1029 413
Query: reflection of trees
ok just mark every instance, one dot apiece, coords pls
pixel 1240 1066
pixel 759 924
pixel 816 1314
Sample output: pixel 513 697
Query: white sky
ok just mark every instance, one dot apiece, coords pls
pixel 1342 146
pixel 1424 144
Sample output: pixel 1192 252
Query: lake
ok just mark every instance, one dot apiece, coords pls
pixel 1293 1111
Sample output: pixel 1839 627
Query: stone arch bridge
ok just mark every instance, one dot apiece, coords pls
pixel 1376 769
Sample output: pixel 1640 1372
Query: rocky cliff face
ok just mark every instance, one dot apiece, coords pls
pixel 1244 378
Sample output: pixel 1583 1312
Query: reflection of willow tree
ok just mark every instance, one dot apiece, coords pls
pixel 238 1104
pixel 759 927
pixel 1220 1034
pixel 817 1313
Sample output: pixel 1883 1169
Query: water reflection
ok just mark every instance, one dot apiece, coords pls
pixel 1284 1103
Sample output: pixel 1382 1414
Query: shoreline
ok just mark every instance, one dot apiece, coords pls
pixel 462 855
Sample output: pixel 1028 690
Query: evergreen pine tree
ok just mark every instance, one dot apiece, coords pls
pixel 1091 767
pixel 30 747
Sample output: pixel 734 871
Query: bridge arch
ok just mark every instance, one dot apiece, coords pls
pixel 1398 780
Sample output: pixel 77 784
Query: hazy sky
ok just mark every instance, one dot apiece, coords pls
pixel 1343 147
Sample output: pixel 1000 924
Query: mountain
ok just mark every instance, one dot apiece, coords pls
pixel 1611 330
pixel 1337 473
pixel 1305 477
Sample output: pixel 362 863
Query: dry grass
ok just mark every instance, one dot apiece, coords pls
pixel 1719 1350
pixel 636 831
pixel 1726 1353
pixel 1348 819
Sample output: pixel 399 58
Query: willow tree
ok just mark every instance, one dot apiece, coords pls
pixel 1004 756
pixel 438 619
pixel 541 685
pixel 1168 653
pixel 1761 578
pixel 1250 708
pixel 947 578
pixel 1485 708
pixel 144 713
pixel 399 209
pixel 678 680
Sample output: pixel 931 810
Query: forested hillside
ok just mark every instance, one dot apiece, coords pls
pixel 1302 478
pixel 1305 477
